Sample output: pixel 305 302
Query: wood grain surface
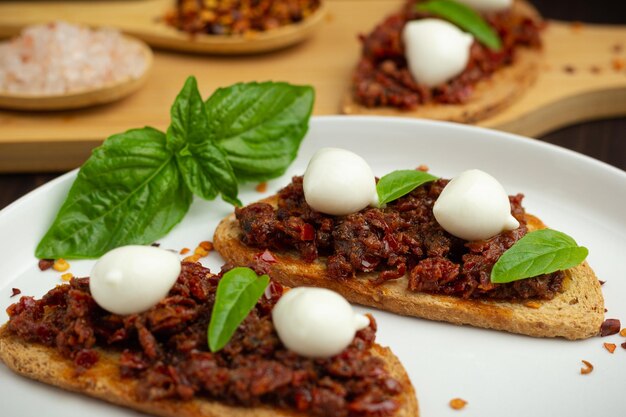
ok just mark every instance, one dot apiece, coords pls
pixel 579 81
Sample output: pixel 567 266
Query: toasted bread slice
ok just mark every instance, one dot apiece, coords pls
pixel 489 96
pixel 47 365
pixel 575 313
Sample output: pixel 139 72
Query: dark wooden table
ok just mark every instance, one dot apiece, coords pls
pixel 603 139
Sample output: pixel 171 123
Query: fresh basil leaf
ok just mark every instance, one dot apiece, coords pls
pixel 259 126
pixel 465 18
pixel 128 192
pixel 237 293
pixel 539 252
pixel 204 166
pixel 398 183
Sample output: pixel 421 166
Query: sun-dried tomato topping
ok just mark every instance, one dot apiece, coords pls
pixel 402 238
pixel 610 327
pixel 165 350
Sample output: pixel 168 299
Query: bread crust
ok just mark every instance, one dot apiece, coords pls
pixel 103 381
pixel 575 313
pixel 489 96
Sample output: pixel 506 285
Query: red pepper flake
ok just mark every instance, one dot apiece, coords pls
pixel 601 282
pixel 15 291
pixel 457 403
pixel 587 369
pixel 577 26
pixel 184 251
pixel 610 347
pixel 609 327
pixel 532 304
pixel 261 187
pixel 569 69
pixel 623 332
pixel 618 64
pixel 206 245
pixel 623 345
pixel 423 168
pixel 45 264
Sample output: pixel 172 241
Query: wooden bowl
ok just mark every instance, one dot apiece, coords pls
pixel 80 98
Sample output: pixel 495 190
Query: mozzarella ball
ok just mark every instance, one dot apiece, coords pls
pixel 339 182
pixel 436 50
pixel 316 322
pixel 474 206
pixel 132 279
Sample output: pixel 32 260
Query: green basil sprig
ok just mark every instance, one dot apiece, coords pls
pixel 465 18
pixel 139 184
pixel 237 293
pixel 540 252
pixel 398 183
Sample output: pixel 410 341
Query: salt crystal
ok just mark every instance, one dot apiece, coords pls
pixel 60 58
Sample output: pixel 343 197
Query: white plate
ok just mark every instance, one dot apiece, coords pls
pixel 499 374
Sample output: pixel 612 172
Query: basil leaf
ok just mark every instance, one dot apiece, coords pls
pixel 237 293
pixel 398 183
pixel 203 165
pixel 465 18
pixel 259 126
pixel 128 192
pixel 539 252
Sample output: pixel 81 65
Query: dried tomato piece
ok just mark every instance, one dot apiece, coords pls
pixel 610 327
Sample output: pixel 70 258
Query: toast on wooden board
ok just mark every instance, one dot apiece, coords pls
pixel 489 96
pixel 575 313
pixel 103 381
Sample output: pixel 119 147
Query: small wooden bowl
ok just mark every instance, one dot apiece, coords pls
pixel 80 98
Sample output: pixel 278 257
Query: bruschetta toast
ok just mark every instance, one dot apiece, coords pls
pixel 488 95
pixel 575 313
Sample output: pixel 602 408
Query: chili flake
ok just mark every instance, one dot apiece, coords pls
pixel 587 369
pixel 15 291
pixel 609 327
pixel 184 251
pixel 610 347
pixel 261 187
pixel 67 277
pixel 623 332
pixel 457 403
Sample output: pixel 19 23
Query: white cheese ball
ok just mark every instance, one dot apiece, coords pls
pixel 487 5
pixel 132 279
pixel 474 206
pixel 339 182
pixel 316 322
pixel 436 50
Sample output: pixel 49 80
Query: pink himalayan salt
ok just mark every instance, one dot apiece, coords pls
pixel 59 57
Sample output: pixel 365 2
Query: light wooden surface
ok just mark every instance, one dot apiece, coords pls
pixel 143 19
pixel 82 98
pixel 57 141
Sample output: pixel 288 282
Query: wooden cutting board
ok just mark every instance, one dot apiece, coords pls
pixel 582 78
